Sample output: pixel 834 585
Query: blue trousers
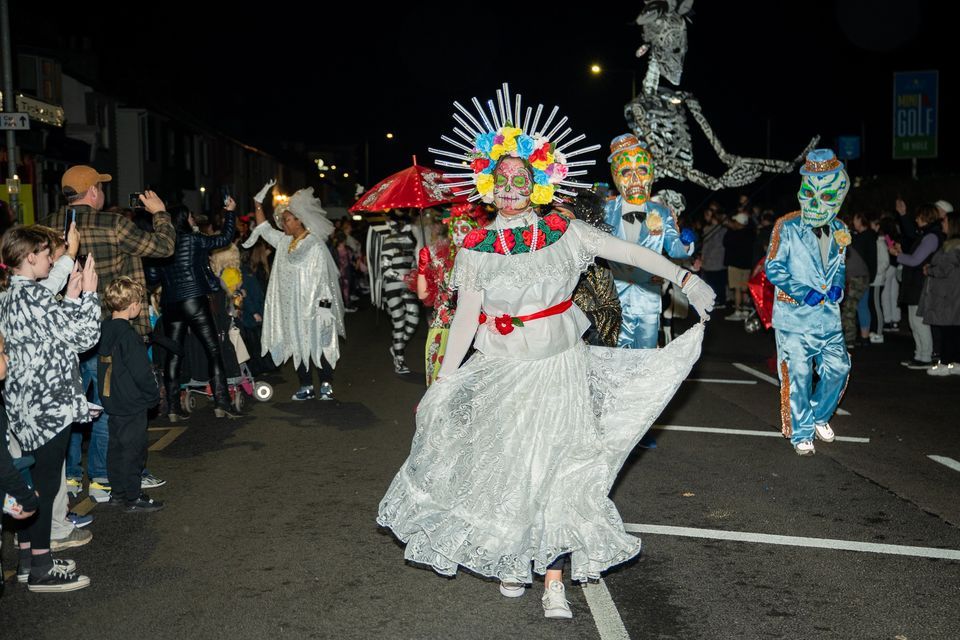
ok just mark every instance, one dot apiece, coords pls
pixel 99 433
pixel 802 406
pixel 639 331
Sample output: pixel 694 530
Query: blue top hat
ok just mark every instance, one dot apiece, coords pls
pixel 821 162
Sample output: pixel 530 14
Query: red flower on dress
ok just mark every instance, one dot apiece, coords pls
pixel 504 324
pixel 556 222
pixel 508 238
pixel 474 238
pixel 528 238
pixel 479 165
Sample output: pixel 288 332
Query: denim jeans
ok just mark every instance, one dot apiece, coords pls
pixel 99 433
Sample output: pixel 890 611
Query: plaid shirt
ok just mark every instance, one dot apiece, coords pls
pixel 118 246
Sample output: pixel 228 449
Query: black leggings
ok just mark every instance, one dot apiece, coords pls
pixel 305 374
pixel 46 474
pixel 196 314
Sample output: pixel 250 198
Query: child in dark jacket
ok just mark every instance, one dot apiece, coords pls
pixel 128 389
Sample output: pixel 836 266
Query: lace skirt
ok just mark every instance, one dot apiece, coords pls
pixel 512 462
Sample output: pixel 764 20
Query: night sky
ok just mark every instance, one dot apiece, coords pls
pixel 289 73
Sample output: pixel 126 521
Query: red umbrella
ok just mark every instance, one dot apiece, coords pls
pixel 413 188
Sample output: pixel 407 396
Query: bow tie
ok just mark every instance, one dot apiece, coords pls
pixel 633 216
pixel 818 231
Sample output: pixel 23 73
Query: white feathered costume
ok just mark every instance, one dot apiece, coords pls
pixel 303 279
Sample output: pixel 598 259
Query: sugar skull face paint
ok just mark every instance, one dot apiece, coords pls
pixel 459 228
pixel 821 196
pixel 512 186
pixel 633 174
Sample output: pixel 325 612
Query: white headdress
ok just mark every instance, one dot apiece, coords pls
pixel 503 135
pixel 308 211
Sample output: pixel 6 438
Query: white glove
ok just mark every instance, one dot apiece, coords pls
pixel 700 295
pixel 263 192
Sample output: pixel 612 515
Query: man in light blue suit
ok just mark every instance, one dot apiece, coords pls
pixel 636 219
pixel 806 264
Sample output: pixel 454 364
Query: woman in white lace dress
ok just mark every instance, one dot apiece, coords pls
pixel 516 451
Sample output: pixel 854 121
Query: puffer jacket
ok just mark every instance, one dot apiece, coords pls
pixel 187 274
pixel 940 301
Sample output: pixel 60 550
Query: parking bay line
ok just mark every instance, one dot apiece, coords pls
pixel 947 462
pixel 744 432
pixel 172 433
pixel 774 381
pixel 604 611
pixel 795 541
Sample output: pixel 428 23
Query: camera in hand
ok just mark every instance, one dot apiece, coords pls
pixel 82 260
pixel 135 200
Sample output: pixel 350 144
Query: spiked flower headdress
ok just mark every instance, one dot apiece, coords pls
pixel 486 141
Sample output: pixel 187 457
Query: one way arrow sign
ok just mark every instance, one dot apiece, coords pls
pixel 16 121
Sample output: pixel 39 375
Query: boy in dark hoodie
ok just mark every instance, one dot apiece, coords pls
pixel 128 389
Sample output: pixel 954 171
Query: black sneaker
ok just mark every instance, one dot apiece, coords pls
pixel 57 580
pixel 916 364
pixel 23 571
pixel 115 501
pixel 143 504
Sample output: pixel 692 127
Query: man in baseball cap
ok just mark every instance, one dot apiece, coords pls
pixel 77 182
pixel 117 246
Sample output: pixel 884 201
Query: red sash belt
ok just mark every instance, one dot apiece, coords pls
pixel 505 323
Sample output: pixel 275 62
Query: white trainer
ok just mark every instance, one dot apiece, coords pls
pixel 511 589
pixel 824 432
pixel 941 369
pixel 554 601
pixel 805 448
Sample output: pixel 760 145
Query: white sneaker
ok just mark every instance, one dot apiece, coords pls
pixel 876 338
pixel 512 589
pixel 824 432
pixel 805 448
pixel 554 601
pixel 941 369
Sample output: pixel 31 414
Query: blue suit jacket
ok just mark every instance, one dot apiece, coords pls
pixel 794 266
pixel 668 239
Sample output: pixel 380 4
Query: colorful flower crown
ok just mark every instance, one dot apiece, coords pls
pixel 498 137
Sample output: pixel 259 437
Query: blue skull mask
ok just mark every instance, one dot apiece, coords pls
pixel 821 196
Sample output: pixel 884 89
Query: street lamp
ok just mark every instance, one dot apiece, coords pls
pixel 389 136
pixel 596 70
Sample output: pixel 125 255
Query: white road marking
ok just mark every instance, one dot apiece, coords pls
pixel 604 612
pixel 796 541
pixel 775 382
pixel 744 432
pixel 947 462
pixel 721 381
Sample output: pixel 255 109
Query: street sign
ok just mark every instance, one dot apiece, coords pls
pixel 16 121
pixel 915 114
pixel 848 147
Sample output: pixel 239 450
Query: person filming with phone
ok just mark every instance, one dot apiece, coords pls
pixel 117 246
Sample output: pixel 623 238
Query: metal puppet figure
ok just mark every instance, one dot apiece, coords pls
pixel 658 116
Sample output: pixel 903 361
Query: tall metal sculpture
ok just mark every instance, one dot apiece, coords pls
pixel 658 116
